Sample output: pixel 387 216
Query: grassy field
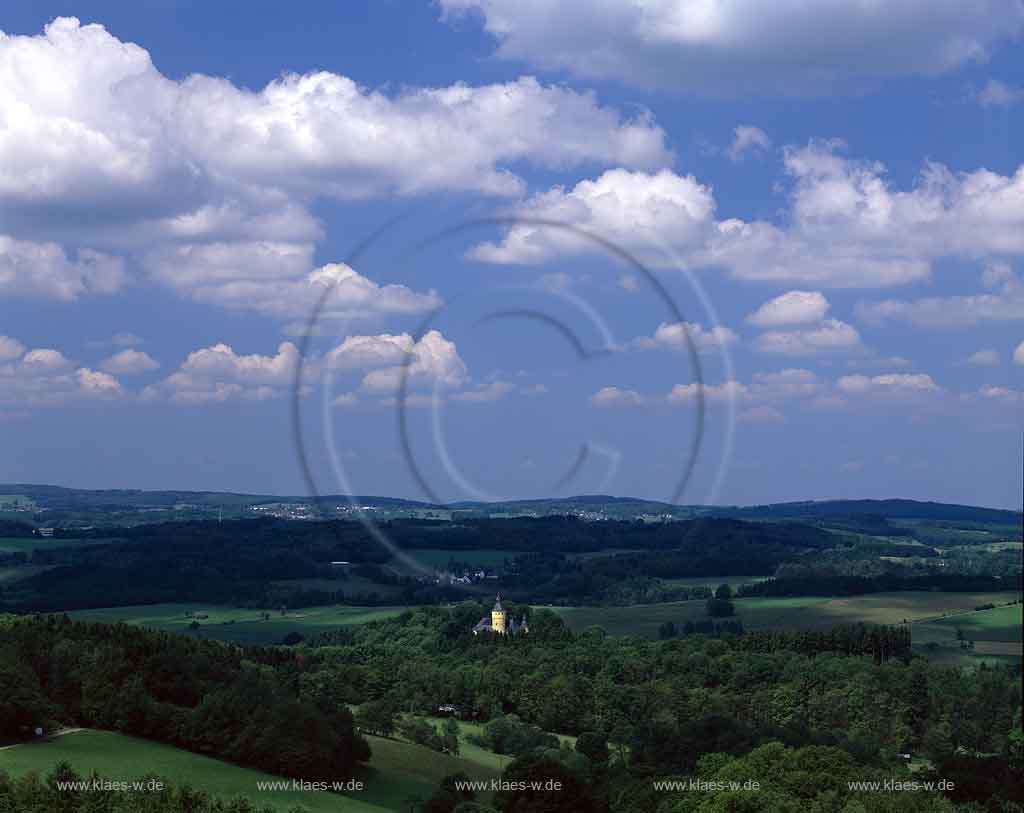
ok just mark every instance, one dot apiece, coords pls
pixel 942 533
pixel 9 575
pixel 400 771
pixel 995 635
pixel 481 756
pixel 397 771
pixel 29 544
pixel 118 757
pixel 804 612
pixel 597 554
pixel 714 581
pixel 12 502
pixel 999 624
pixel 238 625
pixel 643 620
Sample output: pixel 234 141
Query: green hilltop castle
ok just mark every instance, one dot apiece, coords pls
pixel 500 623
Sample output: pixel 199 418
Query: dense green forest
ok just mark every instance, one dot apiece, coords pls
pixel 834 706
pixel 53 502
pixel 562 560
pixel 771 705
pixel 245 707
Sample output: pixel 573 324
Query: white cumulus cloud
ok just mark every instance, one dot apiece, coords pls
pixel 983 358
pixel 493 391
pixel 129 362
pixel 832 336
pixel 996 93
pixel 788 383
pixel 747 139
pixel 46 377
pixel 45 358
pixel 679 336
pixel 1003 302
pixel 637 210
pixel 845 225
pixel 792 308
pixel 745 46
pixel 617 397
pixel 211 186
pixel 217 373
pixel 43 269
pixel 10 348
pixel 891 383
pixel 687 393
pixel 433 360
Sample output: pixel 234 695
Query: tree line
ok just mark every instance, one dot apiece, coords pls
pixel 801 710
pixel 243 706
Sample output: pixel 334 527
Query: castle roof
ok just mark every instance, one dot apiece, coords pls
pixel 497 605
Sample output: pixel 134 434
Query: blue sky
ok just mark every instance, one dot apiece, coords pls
pixel 832 197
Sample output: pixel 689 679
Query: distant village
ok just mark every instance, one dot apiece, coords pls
pixel 462 577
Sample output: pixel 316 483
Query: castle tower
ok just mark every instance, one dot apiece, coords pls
pixel 498 617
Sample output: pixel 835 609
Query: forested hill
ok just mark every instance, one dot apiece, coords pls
pixel 245 561
pixel 809 717
pixel 76 499
pixel 891 509
pixel 55 504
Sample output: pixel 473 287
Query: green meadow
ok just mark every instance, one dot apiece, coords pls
pixel 8 575
pixel 29 544
pixel 400 771
pixel 17 502
pixel 993 636
pixel 803 612
pixel 118 757
pixel 714 581
pixel 243 626
pixel 397 773
pixel 998 624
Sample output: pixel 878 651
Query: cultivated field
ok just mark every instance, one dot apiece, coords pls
pixel 714 581
pixel 998 624
pixel 993 635
pixel 235 624
pixel 29 544
pixel 16 502
pixel 397 772
pixel 804 612
pixel 947 534
pixel 9 575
